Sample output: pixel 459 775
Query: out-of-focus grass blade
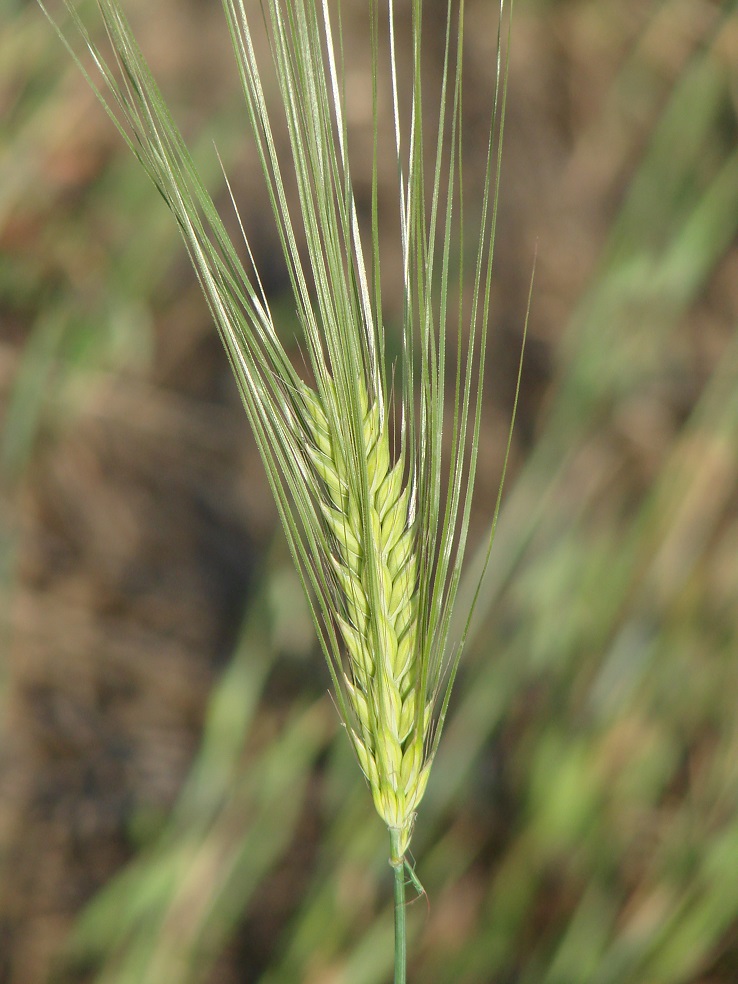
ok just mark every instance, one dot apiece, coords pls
pixel 167 915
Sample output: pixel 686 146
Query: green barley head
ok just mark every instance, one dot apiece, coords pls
pixel 376 520
pixel 373 558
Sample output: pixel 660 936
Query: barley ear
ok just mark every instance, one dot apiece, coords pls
pixel 372 555
pixel 377 530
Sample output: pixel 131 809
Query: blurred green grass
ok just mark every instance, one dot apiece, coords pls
pixel 581 824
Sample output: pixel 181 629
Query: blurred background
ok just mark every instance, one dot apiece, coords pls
pixel 177 800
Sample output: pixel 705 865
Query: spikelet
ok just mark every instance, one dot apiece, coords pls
pixel 381 673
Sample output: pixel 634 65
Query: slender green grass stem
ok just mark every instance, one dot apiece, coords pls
pixel 398 866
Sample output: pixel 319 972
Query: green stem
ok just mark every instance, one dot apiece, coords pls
pixel 398 866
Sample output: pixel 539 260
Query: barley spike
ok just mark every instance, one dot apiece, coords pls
pixel 381 671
